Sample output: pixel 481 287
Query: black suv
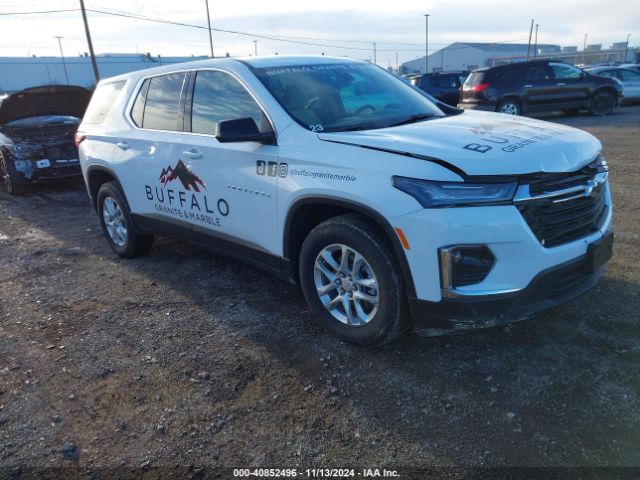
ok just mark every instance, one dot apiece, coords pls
pixel 445 86
pixel 538 86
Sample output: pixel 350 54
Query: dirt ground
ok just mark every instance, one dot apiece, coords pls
pixel 187 364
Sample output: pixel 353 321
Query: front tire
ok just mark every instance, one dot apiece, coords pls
pixel 116 223
pixel 7 173
pixel 351 281
pixel 602 103
pixel 510 106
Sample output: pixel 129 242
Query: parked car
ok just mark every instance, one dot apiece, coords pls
pixel 539 86
pixel 629 78
pixel 37 127
pixel 409 215
pixel 632 66
pixel 445 86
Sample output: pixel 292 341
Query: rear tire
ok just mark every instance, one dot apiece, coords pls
pixel 510 106
pixel 8 175
pixel 602 103
pixel 117 226
pixel 352 283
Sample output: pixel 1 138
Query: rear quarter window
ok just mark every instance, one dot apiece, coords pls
pixel 474 78
pixel 507 75
pixel 102 101
pixel 137 112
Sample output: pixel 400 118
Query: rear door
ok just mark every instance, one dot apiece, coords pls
pixel 539 86
pixel 236 181
pixel 446 88
pixel 148 154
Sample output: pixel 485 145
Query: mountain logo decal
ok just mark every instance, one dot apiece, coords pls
pixel 189 180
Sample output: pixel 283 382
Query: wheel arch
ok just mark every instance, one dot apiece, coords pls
pixel 97 175
pixel 606 88
pixel 512 96
pixel 307 212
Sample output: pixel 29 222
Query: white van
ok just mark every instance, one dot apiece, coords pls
pixel 391 210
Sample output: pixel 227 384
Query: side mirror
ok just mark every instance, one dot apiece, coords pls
pixel 242 130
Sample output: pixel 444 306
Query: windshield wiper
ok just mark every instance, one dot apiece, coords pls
pixel 352 128
pixel 412 119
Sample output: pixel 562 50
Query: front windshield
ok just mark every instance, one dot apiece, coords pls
pixel 345 96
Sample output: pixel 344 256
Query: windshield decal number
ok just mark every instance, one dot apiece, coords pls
pixel 316 128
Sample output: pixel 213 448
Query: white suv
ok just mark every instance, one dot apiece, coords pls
pixel 390 209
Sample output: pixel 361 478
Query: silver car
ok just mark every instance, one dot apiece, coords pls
pixel 629 78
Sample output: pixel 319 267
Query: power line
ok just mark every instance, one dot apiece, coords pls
pixel 41 12
pixel 280 38
pixel 257 35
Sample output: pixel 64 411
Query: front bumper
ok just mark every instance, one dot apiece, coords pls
pixel 54 172
pixel 526 276
pixel 550 288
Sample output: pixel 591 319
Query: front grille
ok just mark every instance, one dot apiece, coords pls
pixel 558 223
pixel 552 182
pixel 563 207
pixel 61 151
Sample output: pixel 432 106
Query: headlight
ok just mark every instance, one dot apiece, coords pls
pixel 455 194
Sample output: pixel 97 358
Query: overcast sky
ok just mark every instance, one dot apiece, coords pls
pixel 396 26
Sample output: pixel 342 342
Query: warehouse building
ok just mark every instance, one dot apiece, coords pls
pixel 17 73
pixel 469 56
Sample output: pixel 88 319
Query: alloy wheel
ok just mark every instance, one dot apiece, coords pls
pixel 114 221
pixel 509 108
pixel 346 285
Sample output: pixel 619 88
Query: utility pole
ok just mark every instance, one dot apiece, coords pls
pixel 209 23
pixel 375 54
pixel 584 45
pixel 93 55
pixel 535 43
pixel 255 47
pixel 426 43
pixel 530 33
pixel 64 64
pixel 626 47
pixel 398 66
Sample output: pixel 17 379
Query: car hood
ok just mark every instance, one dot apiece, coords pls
pixel 483 143
pixel 50 100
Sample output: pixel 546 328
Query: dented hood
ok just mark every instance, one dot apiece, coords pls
pixel 482 143
pixel 49 100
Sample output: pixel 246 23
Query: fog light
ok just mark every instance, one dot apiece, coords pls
pixel 464 265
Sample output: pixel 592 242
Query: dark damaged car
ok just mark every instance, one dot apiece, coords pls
pixel 37 129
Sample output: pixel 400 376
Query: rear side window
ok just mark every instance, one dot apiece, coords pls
pixel 102 101
pixel 538 72
pixel 445 81
pixel 217 96
pixel 162 105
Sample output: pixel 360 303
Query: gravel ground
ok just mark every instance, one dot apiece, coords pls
pixel 185 363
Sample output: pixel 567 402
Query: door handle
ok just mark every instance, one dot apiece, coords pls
pixel 561 84
pixel 192 153
pixel 528 86
pixel 123 145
